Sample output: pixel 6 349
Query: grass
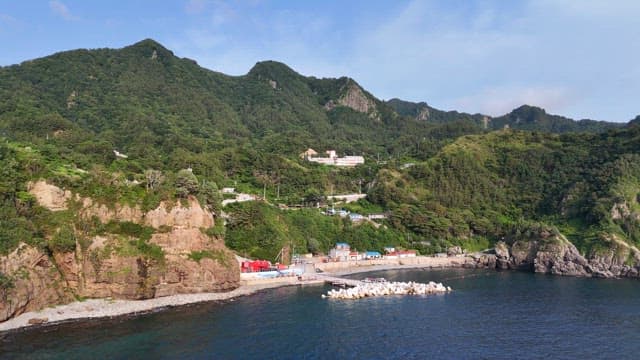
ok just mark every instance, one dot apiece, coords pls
pixel 217 255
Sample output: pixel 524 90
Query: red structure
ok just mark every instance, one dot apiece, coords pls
pixel 255 266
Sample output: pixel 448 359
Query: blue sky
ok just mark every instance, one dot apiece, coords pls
pixel 578 58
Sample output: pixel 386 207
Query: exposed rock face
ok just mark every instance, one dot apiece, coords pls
pixel 192 216
pixel 423 115
pixel 558 256
pixel 620 210
pixel 183 275
pixel 49 196
pixel 355 98
pixel 106 214
pixel 454 250
pixel 485 122
pixel 187 260
pixel 36 282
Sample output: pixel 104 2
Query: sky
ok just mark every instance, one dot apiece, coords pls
pixel 577 58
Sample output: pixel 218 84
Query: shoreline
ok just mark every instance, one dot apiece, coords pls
pixel 97 309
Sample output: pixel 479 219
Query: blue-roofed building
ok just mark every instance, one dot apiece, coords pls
pixel 356 217
pixel 372 255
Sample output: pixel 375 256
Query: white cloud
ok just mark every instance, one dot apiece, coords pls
pixel 61 10
pixel 567 56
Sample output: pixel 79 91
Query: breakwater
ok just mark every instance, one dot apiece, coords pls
pixel 387 288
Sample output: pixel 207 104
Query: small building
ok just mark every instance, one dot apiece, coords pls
pixel 355 256
pixel 228 190
pixel 308 153
pixel 119 154
pixel 332 158
pixel 392 255
pixel 349 161
pixel 376 216
pixel 406 253
pixel 369 255
pixel 255 266
pixel 389 249
pixel 342 252
pixel 356 217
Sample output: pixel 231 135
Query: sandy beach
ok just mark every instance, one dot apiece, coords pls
pixel 109 308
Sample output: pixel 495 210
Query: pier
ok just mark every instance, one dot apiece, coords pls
pixel 338 281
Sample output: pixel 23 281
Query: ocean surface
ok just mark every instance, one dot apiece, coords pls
pixel 489 315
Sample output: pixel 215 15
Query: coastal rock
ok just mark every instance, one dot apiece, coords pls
pixel 482 261
pixel 561 258
pixel 37 321
pixel 554 254
pixel 502 255
pixel 522 255
pixel 179 258
pixel 454 250
pixel 217 270
pixel 36 282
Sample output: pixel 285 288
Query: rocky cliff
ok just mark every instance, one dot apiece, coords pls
pixel 120 252
pixel 556 255
pixel 355 98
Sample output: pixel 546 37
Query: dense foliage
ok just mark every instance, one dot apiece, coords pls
pixel 138 126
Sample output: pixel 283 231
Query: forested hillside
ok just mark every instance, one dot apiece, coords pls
pixel 443 178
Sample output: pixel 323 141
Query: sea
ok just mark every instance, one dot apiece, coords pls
pixel 489 315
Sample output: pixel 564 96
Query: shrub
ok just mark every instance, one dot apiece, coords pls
pixel 186 183
pixel 64 240
pixel 6 282
pixel 217 255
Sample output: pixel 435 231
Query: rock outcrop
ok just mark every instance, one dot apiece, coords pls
pixel 355 98
pixel 558 256
pixel 36 282
pixel 179 257
pixel 49 196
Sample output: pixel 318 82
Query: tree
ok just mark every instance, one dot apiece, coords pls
pixel 154 179
pixel 210 196
pixel 186 183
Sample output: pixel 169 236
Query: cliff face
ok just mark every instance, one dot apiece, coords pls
pixel 355 98
pixel 178 256
pixel 36 282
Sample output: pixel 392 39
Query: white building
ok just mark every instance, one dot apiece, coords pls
pixel 333 159
pixel 342 252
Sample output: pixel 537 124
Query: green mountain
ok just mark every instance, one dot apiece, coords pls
pixel 445 178
pixel 525 117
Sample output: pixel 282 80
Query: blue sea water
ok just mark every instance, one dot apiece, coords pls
pixel 489 315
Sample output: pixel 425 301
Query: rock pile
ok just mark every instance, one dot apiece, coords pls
pixel 387 288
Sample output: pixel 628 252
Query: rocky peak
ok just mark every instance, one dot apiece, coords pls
pixel 354 97
pixel 150 49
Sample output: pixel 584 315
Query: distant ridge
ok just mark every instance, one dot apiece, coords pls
pixel 525 117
